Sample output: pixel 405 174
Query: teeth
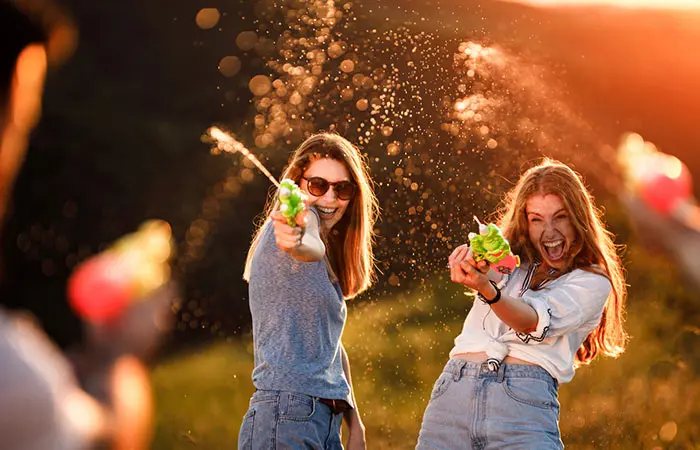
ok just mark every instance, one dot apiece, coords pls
pixel 326 210
pixel 553 244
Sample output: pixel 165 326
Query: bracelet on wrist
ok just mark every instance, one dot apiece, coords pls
pixel 493 300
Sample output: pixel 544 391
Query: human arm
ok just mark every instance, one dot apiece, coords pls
pixel 44 408
pixel 576 301
pixel 356 429
pixel 514 312
pixel 303 242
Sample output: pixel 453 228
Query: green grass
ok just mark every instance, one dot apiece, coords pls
pixel 202 396
pixel 398 345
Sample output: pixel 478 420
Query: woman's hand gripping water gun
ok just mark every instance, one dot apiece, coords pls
pixel 296 231
pixel 490 245
pixel 292 201
pixel 290 219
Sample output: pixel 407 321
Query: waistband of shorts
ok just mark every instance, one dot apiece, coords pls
pixel 488 369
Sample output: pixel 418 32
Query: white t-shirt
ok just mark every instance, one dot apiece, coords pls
pixel 568 309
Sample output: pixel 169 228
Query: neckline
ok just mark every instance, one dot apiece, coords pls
pixel 532 269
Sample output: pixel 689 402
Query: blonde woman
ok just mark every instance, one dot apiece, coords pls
pixel 527 332
pixel 299 278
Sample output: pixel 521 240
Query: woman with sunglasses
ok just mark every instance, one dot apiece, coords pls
pixel 299 278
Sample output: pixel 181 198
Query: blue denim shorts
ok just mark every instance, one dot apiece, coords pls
pixel 474 406
pixel 289 420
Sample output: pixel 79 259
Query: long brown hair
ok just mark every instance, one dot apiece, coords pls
pixel 349 245
pixel 593 251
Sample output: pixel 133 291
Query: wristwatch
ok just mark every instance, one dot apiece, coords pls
pixel 493 300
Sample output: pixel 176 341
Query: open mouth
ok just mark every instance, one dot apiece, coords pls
pixel 326 213
pixel 554 249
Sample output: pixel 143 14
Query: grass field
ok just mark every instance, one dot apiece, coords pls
pixel 398 345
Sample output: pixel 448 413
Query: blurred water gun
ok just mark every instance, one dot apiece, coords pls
pixel 490 245
pixel 661 181
pixel 292 200
pixel 125 296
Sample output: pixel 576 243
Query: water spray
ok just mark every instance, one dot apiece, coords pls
pixel 292 198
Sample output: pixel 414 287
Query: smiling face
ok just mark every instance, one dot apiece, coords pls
pixel 329 206
pixel 550 229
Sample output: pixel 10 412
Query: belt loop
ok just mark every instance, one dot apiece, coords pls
pixel 501 373
pixel 458 373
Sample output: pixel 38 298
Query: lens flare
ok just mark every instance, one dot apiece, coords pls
pixel 673 167
pixel 627 4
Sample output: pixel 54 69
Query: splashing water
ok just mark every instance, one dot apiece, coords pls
pixel 197 234
pixel 227 143
pixel 444 122
pixel 432 120
pixel 515 105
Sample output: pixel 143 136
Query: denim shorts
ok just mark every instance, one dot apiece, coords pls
pixel 289 420
pixel 474 406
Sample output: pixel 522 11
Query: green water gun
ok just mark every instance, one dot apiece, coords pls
pixel 291 200
pixel 490 245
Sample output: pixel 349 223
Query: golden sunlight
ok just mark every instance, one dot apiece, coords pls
pixel 631 4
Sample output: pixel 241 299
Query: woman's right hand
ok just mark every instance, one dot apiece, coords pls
pixel 289 238
pixel 464 270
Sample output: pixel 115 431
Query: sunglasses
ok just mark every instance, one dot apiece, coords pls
pixel 318 187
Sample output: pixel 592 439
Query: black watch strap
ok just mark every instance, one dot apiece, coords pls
pixel 493 300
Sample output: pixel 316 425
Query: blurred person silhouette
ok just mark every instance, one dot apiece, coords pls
pixel 658 196
pixel 42 405
pixel 680 239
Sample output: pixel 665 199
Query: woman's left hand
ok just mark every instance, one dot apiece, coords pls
pixel 464 270
pixel 356 430
pixel 356 438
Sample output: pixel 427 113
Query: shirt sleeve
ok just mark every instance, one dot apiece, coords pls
pixel 572 304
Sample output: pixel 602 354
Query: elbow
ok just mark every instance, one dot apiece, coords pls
pixel 317 253
pixel 311 252
pixel 308 257
pixel 527 330
pixel 529 326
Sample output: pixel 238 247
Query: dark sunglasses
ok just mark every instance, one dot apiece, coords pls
pixel 318 187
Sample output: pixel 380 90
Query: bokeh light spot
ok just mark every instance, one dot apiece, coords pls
pixel 247 40
pixel 260 85
pixel 207 18
pixel 668 431
pixel 347 66
pixel 229 66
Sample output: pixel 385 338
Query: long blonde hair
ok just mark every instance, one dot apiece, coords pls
pixel 593 251
pixel 349 245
